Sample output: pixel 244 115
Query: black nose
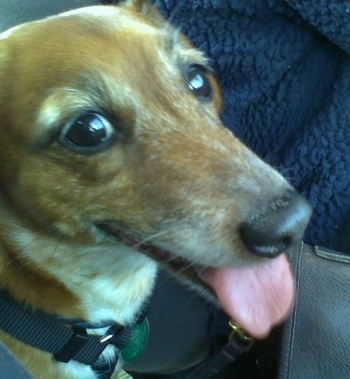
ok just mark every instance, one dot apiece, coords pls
pixel 279 225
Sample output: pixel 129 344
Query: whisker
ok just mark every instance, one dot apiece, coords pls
pixel 172 15
pixel 21 251
pixel 152 237
pixel 59 241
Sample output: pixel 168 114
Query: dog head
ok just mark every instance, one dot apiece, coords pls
pixel 110 130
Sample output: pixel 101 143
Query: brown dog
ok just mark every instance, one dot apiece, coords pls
pixel 111 141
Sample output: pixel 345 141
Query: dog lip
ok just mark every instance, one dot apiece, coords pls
pixel 173 262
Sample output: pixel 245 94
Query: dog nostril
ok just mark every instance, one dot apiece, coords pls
pixel 277 227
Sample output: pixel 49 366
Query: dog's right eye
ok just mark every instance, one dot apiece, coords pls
pixel 89 133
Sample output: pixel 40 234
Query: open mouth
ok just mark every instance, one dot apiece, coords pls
pixel 257 297
pixel 173 262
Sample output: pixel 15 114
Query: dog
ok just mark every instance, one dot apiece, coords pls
pixel 114 161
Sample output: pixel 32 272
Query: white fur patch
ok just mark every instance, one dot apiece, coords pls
pixel 111 280
pixel 7 33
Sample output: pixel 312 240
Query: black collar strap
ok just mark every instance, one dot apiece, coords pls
pixel 60 337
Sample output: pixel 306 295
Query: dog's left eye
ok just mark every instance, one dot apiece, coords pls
pixel 198 81
pixel 89 133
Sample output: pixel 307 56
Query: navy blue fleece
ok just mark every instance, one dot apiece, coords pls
pixel 285 74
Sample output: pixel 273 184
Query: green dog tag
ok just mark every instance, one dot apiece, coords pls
pixel 138 342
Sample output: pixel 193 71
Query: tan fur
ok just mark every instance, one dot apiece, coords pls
pixel 176 174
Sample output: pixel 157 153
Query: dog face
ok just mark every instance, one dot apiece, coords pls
pixel 102 126
pixel 110 130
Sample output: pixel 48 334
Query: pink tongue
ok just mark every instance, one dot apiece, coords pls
pixel 256 297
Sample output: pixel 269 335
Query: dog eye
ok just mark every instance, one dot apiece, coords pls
pixel 198 81
pixel 90 132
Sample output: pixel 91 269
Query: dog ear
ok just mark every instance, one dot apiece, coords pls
pixel 145 7
pixel 137 4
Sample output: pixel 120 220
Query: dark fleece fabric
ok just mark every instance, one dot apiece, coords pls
pixel 284 69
